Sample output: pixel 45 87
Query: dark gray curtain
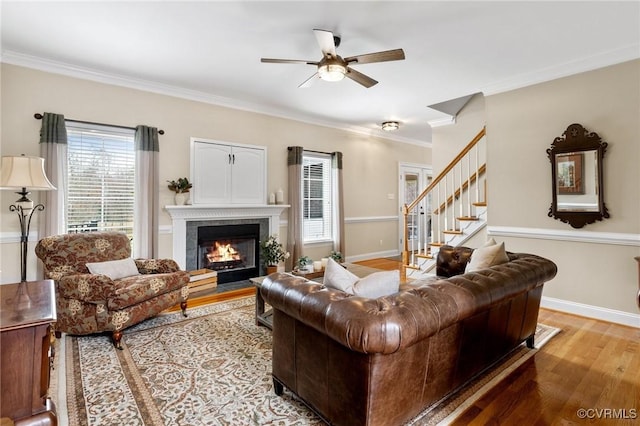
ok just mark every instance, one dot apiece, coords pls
pixel 338 203
pixel 146 204
pixel 294 233
pixel 53 148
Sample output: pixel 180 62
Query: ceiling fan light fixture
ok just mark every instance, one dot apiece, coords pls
pixel 389 126
pixel 332 72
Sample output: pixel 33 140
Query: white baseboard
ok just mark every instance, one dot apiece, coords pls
pixel 596 312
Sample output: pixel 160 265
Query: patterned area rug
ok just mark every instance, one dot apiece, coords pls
pixel 212 368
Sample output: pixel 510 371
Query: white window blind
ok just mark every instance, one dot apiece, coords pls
pixel 316 197
pixel 101 178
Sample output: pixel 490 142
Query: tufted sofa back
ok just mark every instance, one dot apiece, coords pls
pixel 72 252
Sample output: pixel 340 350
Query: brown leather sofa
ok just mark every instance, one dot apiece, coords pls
pixel 358 361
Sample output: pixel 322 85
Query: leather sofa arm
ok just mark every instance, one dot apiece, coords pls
pixel 91 288
pixel 156 266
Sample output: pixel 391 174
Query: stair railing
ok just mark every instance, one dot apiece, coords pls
pixel 452 191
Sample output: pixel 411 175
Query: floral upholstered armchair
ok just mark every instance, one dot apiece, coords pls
pixel 100 288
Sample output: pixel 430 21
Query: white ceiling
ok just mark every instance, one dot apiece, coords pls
pixel 211 51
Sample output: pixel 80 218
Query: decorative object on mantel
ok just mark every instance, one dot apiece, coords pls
pixel 577 177
pixel 24 174
pixel 272 253
pixel 280 196
pixel 181 187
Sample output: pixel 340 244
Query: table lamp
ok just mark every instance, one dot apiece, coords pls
pixel 25 174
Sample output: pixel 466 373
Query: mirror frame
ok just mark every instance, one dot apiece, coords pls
pixel 577 139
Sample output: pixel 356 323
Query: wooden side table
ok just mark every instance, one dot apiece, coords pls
pixel 262 317
pixel 27 311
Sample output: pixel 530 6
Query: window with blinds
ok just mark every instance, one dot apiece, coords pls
pixel 101 178
pixel 316 197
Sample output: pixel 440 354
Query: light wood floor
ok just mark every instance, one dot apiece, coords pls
pixel 591 365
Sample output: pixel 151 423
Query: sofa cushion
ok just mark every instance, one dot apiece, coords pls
pixel 373 285
pixel 114 269
pixel 487 256
pixel 378 284
pixel 335 276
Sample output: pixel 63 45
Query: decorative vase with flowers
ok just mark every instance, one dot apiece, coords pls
pixel 272 253
pixel 181 188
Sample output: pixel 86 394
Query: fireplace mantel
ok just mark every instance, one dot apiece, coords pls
pixel 180 215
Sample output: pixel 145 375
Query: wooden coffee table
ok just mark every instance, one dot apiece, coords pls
pixel 265 317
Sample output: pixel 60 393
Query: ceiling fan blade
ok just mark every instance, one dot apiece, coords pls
pixel 358 77
pixel 287 61
pixel 387 55
pixel 326 42
pixel 308 82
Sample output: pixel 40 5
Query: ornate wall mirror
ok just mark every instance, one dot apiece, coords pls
pixel 577 177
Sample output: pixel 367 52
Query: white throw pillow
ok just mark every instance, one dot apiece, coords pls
pixel 373 285
pixel 487 256
pixel 335 276
pixel 378 284
pixel 114 269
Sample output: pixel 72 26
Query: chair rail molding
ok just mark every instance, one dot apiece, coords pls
pixel 609 238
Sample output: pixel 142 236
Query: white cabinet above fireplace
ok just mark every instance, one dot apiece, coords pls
pixel 224 173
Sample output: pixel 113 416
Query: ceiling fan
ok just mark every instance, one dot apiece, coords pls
pixel 332 67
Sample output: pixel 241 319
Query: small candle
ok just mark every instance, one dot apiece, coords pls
pixel 280 196
pixel 324 262
pixel 317 265
pixel 272 198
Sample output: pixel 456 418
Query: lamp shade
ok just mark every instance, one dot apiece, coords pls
pixel 24 172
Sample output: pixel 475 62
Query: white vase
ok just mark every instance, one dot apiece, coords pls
pixel 181 198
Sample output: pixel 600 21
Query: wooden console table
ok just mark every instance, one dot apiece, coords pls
pixel 27 311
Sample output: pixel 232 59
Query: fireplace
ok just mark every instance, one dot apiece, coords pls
pixel 187 219
pixel 231 250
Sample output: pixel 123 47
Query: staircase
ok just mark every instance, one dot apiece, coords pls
pixel 456 202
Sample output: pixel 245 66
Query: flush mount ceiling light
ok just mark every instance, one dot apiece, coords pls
pixel 389 126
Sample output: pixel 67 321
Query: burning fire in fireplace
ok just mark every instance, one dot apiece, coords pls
pixel 222 255
pixel 222 252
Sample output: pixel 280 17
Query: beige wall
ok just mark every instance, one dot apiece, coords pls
pixel 370 164
pixel 448 141
pixel 597 275
pixel 521 125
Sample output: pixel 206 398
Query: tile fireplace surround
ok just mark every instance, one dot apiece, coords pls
pixel 207 215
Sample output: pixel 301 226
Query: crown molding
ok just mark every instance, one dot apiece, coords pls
pixel 616 56
pixel 439 122
pixel 55 67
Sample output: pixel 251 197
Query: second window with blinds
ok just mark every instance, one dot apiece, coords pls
pixel 101 178
pixel 317 190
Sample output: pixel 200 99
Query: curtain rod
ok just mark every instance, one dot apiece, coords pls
pixel 39 116
pixel 310 150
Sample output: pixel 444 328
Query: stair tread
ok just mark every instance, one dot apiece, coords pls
pixel 424 256
pixel 436 244
pixel 453 232
pixel 469 218
pixel 480 204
